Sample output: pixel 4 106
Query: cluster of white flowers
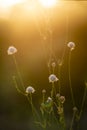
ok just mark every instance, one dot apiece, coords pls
pixel 11 50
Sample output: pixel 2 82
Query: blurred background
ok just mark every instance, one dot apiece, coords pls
pixel 29 26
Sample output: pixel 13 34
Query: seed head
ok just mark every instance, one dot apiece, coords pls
pixel 53 78
pixel 11 50
pixel 30 89
pixel 62 99
pixel 71 45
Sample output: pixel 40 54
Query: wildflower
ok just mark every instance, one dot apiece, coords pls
pixel 75 109
pixel 47 106
pixel 49 100
pixel 53 64
pixel 62 99
pixel 43 91
pixel 53 78
pixel 11 50
pixel 30 89
pixel 71 45
pixel 58 95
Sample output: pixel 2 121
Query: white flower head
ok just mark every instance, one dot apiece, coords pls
pixel 49 100
pixel 75 109
pixel 53 64
pixel 62 99
pixel 11 50
pixel 30 89
pixel 53 78
pixel 71 45
pixel 43 91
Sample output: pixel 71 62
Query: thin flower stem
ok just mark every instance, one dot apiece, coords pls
pixel 16 86
pixel 43 97
pixel 72 121
pixel 34 111
pixel 53 69
pixel 59 79
pixel 55 118
pixel 83 101
pixel 72 96
pixel 30 101
pixel 53 91
pixel 19 74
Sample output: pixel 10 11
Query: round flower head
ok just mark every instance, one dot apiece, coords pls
pixel 62 99
pixel 53 78
pixel 49 100
pixel 53 64
pixel 71 45
pixel 75 109
pixel 43 91
pixel 11 50
pixel 58 95
pixel 30 90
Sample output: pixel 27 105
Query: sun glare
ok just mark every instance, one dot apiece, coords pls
pixel 48 3
pixel 8 3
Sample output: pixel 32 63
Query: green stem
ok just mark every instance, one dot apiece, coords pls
pixel 72 96
pixel 74 113
pixel 43 97
pixel 53 91
pixel 19 74
pixel 53 69
pixel 59 80
pixel 83 101
pixel 34 111
pixel 16 86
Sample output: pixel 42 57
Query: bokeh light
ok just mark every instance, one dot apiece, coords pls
pixel 8 3
pixel 48 3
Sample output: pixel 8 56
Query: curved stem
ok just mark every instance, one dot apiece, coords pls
pixel 72 120
pixel 19 74
pixel 83 101
pixel 16 86
pixel 34 112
